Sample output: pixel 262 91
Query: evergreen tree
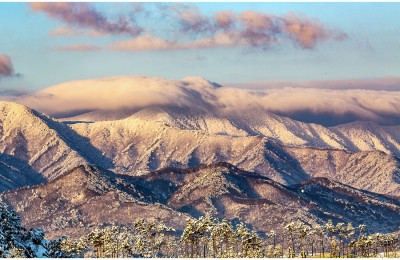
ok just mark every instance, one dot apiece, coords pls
pixel 16 241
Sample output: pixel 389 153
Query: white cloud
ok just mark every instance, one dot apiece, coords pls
pixel 135 92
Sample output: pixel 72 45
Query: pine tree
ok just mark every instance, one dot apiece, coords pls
pixel 290 229
pixel 150 237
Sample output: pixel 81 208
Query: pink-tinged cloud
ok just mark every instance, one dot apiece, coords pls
pixel 229 29
pixel 339 104
pixel 6 67
pixel 256 21
pixel 220 40
pixel 63 31
pixel 259 29
pixel 378 84
pixel 225 19
pixel 69 32
pixel 85 16
pixel 307 32
pixel 145 43
pixel 77 47
pixel 191 18
pixel 150 43
pixel 193 29
pixel 251 28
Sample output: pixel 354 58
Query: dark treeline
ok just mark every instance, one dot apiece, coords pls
pixel 210 237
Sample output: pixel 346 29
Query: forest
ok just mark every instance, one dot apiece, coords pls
pixel 203 237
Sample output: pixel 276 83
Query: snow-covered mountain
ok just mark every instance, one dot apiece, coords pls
pixel 89 197
pixel 34 144
pixel 194 103
pixel 93 172
pixel 282 149
pixel 356 137
pixel 155 138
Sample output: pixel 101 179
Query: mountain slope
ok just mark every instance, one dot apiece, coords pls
pixel 47 147
pixel 225 191
pixel 356 137
pixel 39 148
pixel 88 197
pixel 139 145
pixel 16 173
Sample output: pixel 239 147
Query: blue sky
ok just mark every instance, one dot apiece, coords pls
pixel 370 48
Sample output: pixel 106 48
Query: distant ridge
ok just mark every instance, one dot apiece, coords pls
pixel 356 136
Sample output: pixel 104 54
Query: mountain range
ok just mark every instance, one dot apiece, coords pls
pixel 72 174
pixel 88 197
pixel 152 139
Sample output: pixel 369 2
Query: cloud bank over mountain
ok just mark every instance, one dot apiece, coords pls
pixel 324 102
pixel 384 83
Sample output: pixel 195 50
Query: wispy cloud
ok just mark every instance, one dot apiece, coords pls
pixel 378 84
pixel 76 47
pixel 145 43
pixel 370 100
pixel 12 94
pixel 307 32
pixel 84 15
pixel 224 19
pixel 192 29
pixel 257 29
pixel 63 31
pixel 6 67
pixel 229 29
pixel 190 18
pixel 149 43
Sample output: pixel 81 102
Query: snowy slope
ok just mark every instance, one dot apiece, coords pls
pixel 285 150
pixel 47 148
pixel 356 137
pixel 138 145
pixel 93 197
pixel 16 173
pixel 194 103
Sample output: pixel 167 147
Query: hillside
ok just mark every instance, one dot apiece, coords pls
pixel 43 146
pixel 137 145
pixel 355 137
pixel 36 148
pixel 88 197
pixel 226 191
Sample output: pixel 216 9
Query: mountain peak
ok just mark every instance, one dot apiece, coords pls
pixel 13 109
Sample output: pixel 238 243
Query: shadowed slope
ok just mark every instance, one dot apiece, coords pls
pixel 48 147
pixel 88 197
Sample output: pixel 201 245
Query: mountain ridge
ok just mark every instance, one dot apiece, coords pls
pixel 141 145
pixel 88 197
pixel 135 145
pixel 282 129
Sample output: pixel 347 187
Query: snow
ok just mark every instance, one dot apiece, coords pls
pixel 358 136
pixel 283 149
